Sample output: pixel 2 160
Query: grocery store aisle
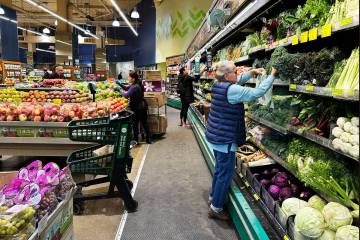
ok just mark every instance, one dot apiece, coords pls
pixel 172 192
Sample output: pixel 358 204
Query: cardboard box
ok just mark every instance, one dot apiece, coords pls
pixel 157 124
pixel 155 100
pixel 152 75
pixel 5 177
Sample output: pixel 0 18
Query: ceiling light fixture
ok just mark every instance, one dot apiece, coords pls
pixel 122 16
pixel 46 30
pixel 116 23
pixel 60 18
pixel 43 50
pixel 2 11
pixel 56 22
pixel 135 14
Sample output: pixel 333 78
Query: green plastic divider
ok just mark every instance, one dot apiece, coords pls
pixel 246 223
pixel 175 103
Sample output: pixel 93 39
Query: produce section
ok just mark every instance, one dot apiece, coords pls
pixel 302 152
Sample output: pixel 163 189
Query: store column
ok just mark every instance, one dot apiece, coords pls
pixel 9 36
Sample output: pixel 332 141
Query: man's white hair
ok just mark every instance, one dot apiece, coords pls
pixel 223 67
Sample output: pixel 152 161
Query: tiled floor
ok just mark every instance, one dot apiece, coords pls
pixel 102 217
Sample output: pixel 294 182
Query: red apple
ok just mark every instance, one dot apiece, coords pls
pixel 71 114
pixel 9 118
pixel 54 118
pixel 47 118
pixel 60 118
pixel 37 119
pixel 2 118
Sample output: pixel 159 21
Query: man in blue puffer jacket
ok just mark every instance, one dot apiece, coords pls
pixel 226 126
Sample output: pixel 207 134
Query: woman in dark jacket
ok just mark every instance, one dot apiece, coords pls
pixel 135 92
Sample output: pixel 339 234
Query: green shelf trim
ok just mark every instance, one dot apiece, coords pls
pixel 174 103
pixel 246 223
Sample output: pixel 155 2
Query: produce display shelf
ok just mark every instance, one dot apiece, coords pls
pixel 325 142
pixel 39 146
pixel 33 124
pixel 341 94
pixel 246 223
pixel 280 129
pixel 288 42
pixel 199 116
pixel 253 197
pixel 44 89
pixel 174 102
pixel 53 219
pixel 277 83
pixel 242 59
pixel 284 164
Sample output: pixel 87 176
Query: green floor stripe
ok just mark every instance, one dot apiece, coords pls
pixel 246 223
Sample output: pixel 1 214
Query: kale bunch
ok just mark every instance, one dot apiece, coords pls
pixel 320 65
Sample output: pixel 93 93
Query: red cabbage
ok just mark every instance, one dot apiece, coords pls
pixel 266 173
pixel 280 180
pixel 306 194
pixel 265 182
pixel 285 193
pixel 274 191
pixel 295 189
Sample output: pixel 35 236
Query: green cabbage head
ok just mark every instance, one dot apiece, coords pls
pixel 327 235
pixel 347 232
pixel 336 215
pixel 317 202
pixel 310 222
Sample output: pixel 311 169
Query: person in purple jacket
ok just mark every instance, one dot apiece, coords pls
pixel 135 92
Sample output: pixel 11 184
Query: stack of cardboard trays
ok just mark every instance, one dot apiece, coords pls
pixel 155 97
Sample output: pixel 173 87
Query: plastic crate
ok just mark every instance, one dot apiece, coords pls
pixel 269 201
pixel 86 162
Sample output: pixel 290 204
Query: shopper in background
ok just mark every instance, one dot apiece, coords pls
pixel 120 76
pixel 135 92
pixel 186 91
pixel 46 74
pixel 225 128
pixel 58 72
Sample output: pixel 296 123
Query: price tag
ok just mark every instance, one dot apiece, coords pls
pixel 326 30
pixel 313 33
pixel 304 37
pixel 267 46
pixel 294 40
pixel 286 237
pixel 346 21
pixel 292 86
pixel 256 197
pixel 337 91
pixel 284 40
pixel 309 88
pixel 247 184
pixel 276 43
pixel 57 101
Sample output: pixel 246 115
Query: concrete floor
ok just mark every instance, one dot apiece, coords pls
pixel 173 191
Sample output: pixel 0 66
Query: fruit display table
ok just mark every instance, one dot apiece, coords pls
pixel 36 139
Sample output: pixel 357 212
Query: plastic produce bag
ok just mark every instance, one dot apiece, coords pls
pixel 66 183
pixel 14 220
pixel 265 100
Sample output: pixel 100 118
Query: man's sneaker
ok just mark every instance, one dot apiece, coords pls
pixel 222 215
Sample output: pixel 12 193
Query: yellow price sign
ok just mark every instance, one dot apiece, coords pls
pixel 336 91
pixel 286 237
pixel 256 197
pixel 294 40
pixel 292 86
pixel 346 21
pixel 326 30
pixel 258 46
pixel 276 43
pixel 309 88
pixel 57 101
pixel 304 37
pixel 247 184
pixel 313 33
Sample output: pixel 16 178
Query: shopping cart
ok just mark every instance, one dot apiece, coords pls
pixel 114 131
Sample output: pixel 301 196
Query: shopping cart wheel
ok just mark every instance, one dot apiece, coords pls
pixel 132 207
pixel 129 184
pixel 78 207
